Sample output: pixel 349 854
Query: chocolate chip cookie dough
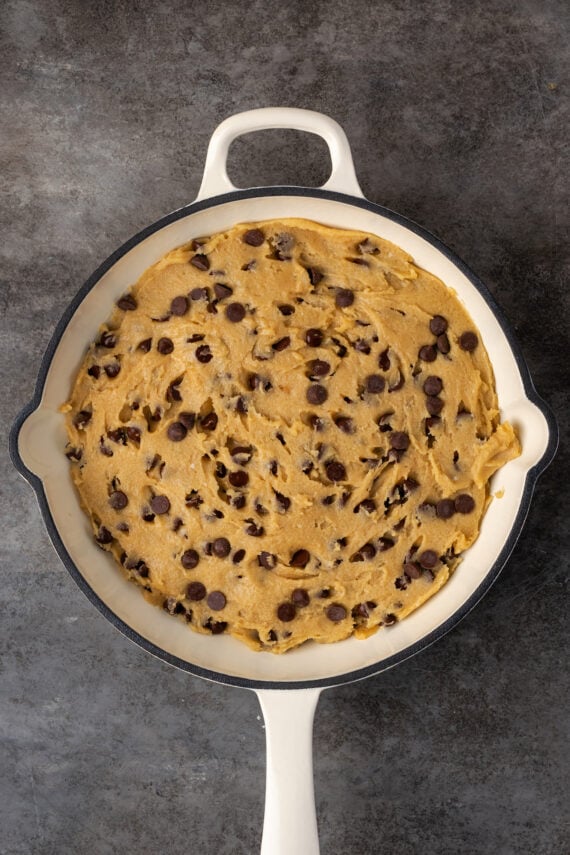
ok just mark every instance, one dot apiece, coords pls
pixel 285 432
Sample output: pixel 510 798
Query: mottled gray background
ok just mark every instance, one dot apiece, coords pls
pixel 457 112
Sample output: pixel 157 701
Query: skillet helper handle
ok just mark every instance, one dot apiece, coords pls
pixel 342 178
pixel 290 821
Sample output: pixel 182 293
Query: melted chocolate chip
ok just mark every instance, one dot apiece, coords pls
pixel 286 309
pixel 283 501
pixel 385 543
pixel 204 354
pixel 82 418
pixel 344 424
pixel 104 536
pixel 209 421
pixel 384 360
pixel 254 530
pixel 315 275
pixel 368 505
pixel 190 559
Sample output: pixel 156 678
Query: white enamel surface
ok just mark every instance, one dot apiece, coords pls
pixel 290 821
pixel 216 181
pixel 42 441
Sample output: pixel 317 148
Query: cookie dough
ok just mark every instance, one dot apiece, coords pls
pixel 285 432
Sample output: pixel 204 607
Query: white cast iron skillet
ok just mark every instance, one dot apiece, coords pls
pixel 288 686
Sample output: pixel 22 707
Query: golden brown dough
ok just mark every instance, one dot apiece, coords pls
pixel 285 432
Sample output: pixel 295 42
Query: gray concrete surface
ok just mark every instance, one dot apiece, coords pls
pixel 457 113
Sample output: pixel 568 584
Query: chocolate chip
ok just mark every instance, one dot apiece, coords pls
pixel 112 370
pixel 74 454
pixel 318 368
pixel 438 325
pixel 282 344
pixel 368 505
pixel 400 440
pixel 193 499
pixel 412 570
pixel 468 341
pixel 286 612
pixel 173 392
pixel 384 360
pixel 239 478
pixel 428 559
pixel 433 385
pixel 375 384
pixel 254 530
pixel 395 387
pixel 283 501
pixel 118 500
pixel 222 292
pixel 196 591
pixel 216 627
pixel 267 560
pixel 366 246
pixel 221 469
pixel 190 559
pixel 108 339
pixel 344 298
pixel 385 543
pixel 368 551
pixel 203 353
pixel 315 275
pixel 94 371
pixel 445 508
pixel 160 504
pixel 235 312
pixel 176 432
pixel 464 504
pixel 443 344
pixel 336 613
pixel 390 619
pixel 147 515
pixel 145 345
pixel 317 394
pixel 253 237
pixel 216 600
pixel 82 418
pixel 324 594
pixel 164 346
pixel 315 422
pixel 286 309
pixel 188 420
pixel 238 501
pixel 127 303
pixel 209 421
pixel 434 405
pixel 199 294
pixel 241 454
pixel 427 353
pixel 238 556
pixel 300 558
pixel 104 536
pixel 221 547
pixel 314 337
pixel 300 597
pixel 179 306
pixel 201 262
pixel 335 471
pixel 344 424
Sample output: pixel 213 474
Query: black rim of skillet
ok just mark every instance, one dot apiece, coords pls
pixel 351 676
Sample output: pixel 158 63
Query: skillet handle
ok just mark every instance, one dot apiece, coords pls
pixel 342 178
pixel 290 822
